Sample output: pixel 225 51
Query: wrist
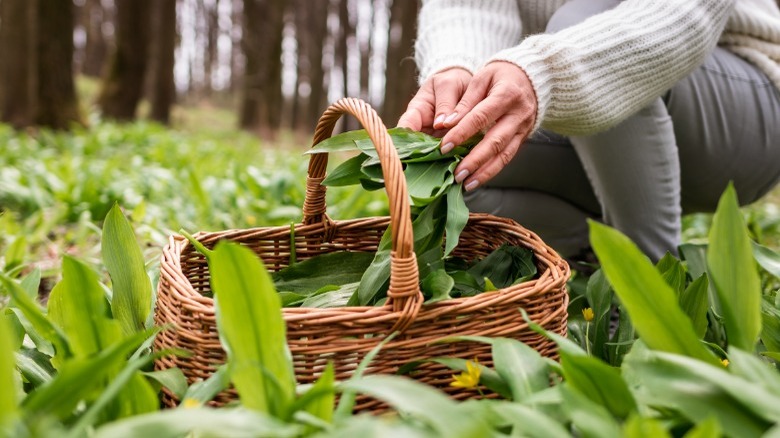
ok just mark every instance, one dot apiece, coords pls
pixel 535 73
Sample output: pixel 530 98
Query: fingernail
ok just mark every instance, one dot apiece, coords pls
pixel 463 174
pixel 450 117
pixel 447 147
pixel 472 185
pixel 439 119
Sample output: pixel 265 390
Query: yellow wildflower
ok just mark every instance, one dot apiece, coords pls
pixel 190 403
pixel 468 378
pixel 588 314
pixel 725 362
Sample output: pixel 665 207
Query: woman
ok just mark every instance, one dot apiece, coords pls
pixel 632 112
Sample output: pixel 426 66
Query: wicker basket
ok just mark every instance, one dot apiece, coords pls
pixel 344 335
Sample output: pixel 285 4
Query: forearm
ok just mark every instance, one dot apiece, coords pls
pixel 464 34
pixel 591 76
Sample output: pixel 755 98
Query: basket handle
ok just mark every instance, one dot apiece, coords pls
pixel 404 294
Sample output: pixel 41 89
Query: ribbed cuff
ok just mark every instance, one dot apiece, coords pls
pixel 534 65
pixel 446 62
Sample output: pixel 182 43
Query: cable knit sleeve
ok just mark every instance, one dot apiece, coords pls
pixel 464 33
pixel 593 75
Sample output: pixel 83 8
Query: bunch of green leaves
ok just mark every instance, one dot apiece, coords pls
pixel 436 200
pixel 692 278
pixel 84 360
pixel 671 382
pixel 330 280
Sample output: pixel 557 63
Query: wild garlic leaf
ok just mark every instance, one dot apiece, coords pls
pixel 457 217
pixel 346 141
pixel 426 181
pixel 359 139
pixel 334 298
pixel 347 173
pixel 428 229
pixel 337 268
pixel 437 285
pixel 504 266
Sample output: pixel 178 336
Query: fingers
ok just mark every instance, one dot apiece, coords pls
pixel 492 154
pixel 435 101
pixel 446 98
pixel 448 87
pixel 475 112
pixel 411 119
pixel 419 112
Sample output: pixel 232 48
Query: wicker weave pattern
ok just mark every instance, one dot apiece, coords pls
pixel 344 335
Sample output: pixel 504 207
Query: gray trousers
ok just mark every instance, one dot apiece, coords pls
pixel 675 156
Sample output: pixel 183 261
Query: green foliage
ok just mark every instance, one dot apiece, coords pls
pixel 433 193
pixel 521 367
pixel 178 423
pixel 416 400
pixel 78 305
pixel 308 276
pixel 650 301
pixel 249 317
pixel 8 403
pixel 698 390
pixel 132 290
pixel 733 272
pixel 334 279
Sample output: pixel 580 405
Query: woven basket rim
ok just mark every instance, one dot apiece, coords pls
pixel 551 278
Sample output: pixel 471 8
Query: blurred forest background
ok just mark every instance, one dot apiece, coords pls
pixel 275 63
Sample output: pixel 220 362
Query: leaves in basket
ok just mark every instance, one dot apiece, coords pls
pixel 331 297
pixel 428 230
pixel 377 276
pixel 505 266
pixel 438 209
pixel 308 276
pixel 437 285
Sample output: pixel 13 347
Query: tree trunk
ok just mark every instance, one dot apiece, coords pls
pixel 163 91
pixel 236 51
pixel 400 71
pixel 211 59
pixel 252 82
pixel 123 82
pixel 342 54
pixel 36 75
pixel 57 106
pixel 96 46
pixel 365 57
pixel 18 71
pixel 317 33
pixel 298 118
pixel 262 43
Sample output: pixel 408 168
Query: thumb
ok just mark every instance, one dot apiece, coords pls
pixel 411 119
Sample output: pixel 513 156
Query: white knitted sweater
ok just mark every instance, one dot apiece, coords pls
pixel 595 74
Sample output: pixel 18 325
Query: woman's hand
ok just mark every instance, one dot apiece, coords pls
pixel 435 100
pixel 499 99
